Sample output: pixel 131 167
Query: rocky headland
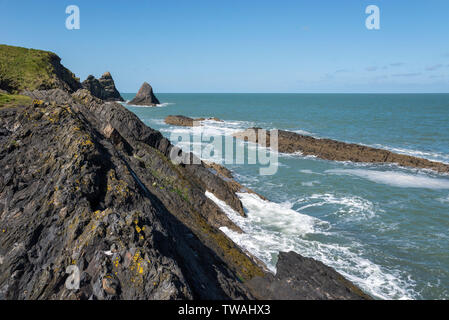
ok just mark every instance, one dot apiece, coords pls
pixel 103 88
pixel 145 96
pixel 327 149
pixel 29 69
pixel 85 183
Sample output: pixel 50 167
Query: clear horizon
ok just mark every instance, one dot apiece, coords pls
pixel 250 47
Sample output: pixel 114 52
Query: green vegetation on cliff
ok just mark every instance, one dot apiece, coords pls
pixel 13 100
pixel 30 69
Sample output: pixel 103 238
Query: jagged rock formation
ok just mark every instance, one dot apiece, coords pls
pixel 145 96
pixel 103 88
pixel 30 69
pixel 291 142
pixel 184 121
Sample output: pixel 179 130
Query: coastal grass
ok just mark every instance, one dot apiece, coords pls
pixel 14 100
pixel 30 69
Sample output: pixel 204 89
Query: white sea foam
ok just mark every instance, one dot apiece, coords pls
pixel 274 216
pixel 213 128
pixel 304 132
pixel 308 171
pixel 444 200
pixel 395 179
pixel 271 227
pixel 161 105
pixel 347 206
pixel 310 183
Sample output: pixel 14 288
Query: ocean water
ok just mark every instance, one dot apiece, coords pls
pixel 382 226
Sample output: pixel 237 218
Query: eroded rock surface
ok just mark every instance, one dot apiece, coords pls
pixel 291 142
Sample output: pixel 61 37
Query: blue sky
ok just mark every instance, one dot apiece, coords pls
pixel 243 46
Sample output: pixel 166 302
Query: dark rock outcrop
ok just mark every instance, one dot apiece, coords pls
pixel 300 278
pixel 184 121
pixel 145 96
pixel 291 142
pixel 181 121
pixel 227 176
pixel 103 88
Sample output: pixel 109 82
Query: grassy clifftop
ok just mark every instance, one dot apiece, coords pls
pixel 30 69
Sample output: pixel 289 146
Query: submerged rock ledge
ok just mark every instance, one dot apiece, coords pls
pixel 327 149
pixel 184 121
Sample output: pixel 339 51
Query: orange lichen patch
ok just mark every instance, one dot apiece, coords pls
pixel 87 143
pixel 139 266
pixel 37 103
pixel 116 262
pixel 119 187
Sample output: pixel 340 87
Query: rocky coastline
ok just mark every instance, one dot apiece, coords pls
pixel 328 149
pixel 85 183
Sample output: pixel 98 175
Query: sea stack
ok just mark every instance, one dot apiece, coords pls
pixel 103 88
pixel 145 96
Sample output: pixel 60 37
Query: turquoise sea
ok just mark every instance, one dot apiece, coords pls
pixel 382 226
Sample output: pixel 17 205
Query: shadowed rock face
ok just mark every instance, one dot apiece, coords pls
pixel 84 182
pixel 290 142
pixel 184 121
pixel 145 96
pixel 103 88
